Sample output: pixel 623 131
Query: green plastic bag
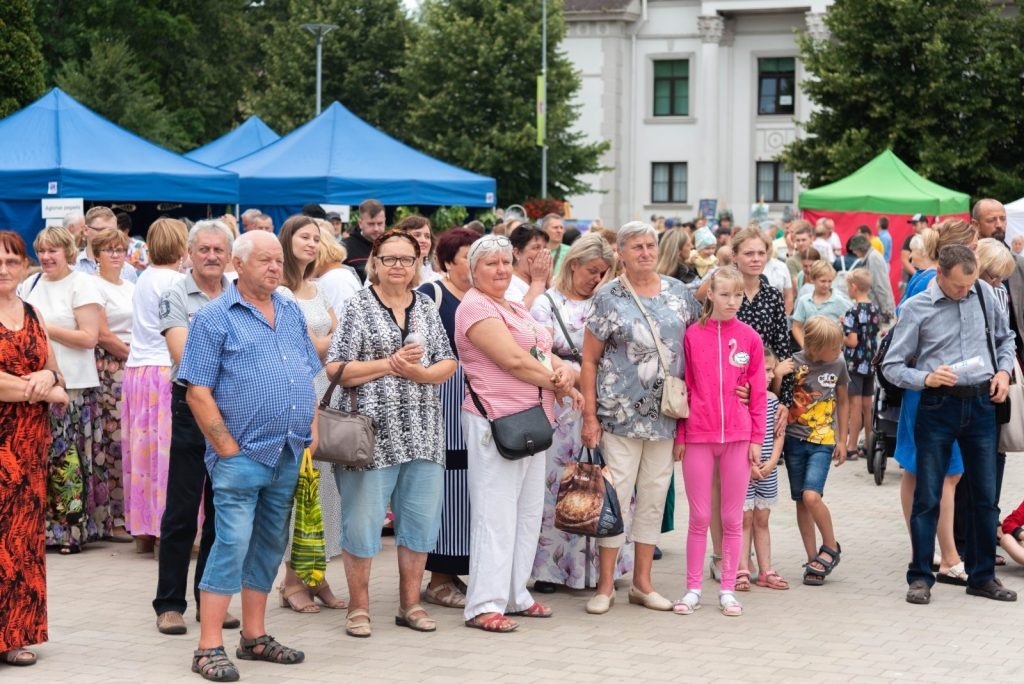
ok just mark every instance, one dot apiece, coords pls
pixel 309 557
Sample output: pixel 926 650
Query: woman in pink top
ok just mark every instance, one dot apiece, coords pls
pixel 722 354
pixel 506 357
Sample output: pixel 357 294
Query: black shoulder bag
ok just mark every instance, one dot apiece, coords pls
pixel 1002 409
pixel 521 434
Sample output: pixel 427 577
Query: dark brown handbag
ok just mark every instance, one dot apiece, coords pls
pixel 346 438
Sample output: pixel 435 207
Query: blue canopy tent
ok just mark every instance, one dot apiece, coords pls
pixel 56 147
pixel 338 158
pixel 246 139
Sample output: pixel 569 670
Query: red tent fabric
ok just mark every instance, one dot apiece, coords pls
pixel 899 228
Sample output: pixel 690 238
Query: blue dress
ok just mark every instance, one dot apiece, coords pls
pixel 906 449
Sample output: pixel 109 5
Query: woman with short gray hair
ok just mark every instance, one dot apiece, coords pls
pixel 635 330
pixel 509 367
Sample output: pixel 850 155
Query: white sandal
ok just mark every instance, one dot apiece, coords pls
pixel 686 605
pixel 728 605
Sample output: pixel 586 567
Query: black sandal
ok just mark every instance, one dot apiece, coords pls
pixel 217 667
pixel 834 554
pixel 272 652
pixel 812 576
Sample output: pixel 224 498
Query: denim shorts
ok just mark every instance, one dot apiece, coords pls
pixel 807 466
pixel 415 491
pixel 254 506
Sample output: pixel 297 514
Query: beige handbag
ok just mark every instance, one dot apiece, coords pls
pixel 1011 434
pixel 674 403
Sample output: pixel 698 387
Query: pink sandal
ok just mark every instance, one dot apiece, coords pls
pixel 772 580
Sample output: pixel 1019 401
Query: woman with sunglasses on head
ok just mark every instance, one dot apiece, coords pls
pixel 107 484
pixel 395 352
pixel 510 368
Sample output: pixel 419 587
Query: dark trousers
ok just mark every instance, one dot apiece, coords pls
pixel 963 503
pixel 941 420
pixel 187 488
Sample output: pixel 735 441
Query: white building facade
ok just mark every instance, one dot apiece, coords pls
pixel 696 97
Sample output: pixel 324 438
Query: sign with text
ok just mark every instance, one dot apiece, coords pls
pixel 342 209
pixel 59 207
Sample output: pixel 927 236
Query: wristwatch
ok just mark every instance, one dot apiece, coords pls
pixel 56 378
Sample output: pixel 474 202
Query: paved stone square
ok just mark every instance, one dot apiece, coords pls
pixel 857 628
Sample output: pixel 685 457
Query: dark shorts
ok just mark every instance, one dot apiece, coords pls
pixel 861 385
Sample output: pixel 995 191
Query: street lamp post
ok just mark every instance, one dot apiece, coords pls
pixel 543 100
pixel 319 31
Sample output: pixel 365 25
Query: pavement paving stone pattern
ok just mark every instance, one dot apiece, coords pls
pixel 856 629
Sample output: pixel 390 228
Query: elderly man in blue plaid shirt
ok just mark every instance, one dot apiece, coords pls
pixel 249 364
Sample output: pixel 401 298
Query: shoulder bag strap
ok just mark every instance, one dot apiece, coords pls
pixel 325 401
pixel 565 331
pixel 650 323
pixel 988 334
pixel 437 294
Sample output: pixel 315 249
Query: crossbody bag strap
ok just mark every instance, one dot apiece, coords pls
pixel 565 331
pixel 988 334
pixel 650 323
pixel 325 401
pixel 479 405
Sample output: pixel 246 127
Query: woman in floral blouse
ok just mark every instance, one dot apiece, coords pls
pixel 563 558
pixel 622 379
pixel 396 352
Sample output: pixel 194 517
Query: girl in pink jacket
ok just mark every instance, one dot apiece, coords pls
pixel 722 354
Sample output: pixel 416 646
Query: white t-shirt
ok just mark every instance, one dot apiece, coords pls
pixel 517 289
pixel 429 275
pixel 778 275
pixel 56 302
pixel 148 346
pixel 835 243
pixel 117 302
pixel 338 285
pixel 824 248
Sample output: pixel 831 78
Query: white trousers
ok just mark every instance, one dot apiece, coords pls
pixel 506 503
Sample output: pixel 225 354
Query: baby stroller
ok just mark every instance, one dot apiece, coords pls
pixel 886 403
pixel 882 443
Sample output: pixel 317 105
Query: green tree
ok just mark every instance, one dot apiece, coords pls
pixel 471 81
pixel 21 62
pixel 199 54
pixel 361 60
pixel 112 84
pixel 939 82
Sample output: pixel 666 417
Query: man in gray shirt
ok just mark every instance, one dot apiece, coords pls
pixel 209 245
pixel 958 350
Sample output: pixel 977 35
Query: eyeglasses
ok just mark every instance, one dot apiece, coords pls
pixel 501 241
pixel 390 261
pixel 114 252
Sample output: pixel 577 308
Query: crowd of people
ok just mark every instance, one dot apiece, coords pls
pixel 152 391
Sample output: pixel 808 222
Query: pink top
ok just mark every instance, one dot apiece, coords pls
pixel 501 393
pixel 721 356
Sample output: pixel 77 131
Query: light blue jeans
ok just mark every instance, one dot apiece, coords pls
pixel 254 505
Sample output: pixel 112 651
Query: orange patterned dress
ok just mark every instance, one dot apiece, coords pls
pixel 24 440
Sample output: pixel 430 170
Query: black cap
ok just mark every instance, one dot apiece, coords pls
pixel 917 218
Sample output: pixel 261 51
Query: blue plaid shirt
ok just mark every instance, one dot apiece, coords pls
pixel 261 376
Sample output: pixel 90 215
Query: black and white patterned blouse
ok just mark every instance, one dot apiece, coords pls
pixel 766 313
pixel 407 415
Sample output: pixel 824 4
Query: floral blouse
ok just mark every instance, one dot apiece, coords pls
pixel 629 373
pixel 766 313
pixel 574 315
pixel 406 414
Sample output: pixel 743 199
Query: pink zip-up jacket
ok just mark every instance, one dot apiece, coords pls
pixel 721 356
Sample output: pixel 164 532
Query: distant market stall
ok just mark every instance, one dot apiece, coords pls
pixel 337 158
pixel 885 186
pixel 58 148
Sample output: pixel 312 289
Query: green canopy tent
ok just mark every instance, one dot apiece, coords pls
pixel 885 186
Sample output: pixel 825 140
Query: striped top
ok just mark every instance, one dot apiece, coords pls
pixel 501 393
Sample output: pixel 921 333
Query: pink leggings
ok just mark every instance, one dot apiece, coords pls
pixel 734 475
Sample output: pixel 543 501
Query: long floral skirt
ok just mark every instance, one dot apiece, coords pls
pixel 563 558
pixel 106 486
pixel 68 500
pixel 145 446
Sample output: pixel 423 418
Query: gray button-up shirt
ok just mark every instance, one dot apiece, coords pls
pixel 936 330
pixel 178 306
